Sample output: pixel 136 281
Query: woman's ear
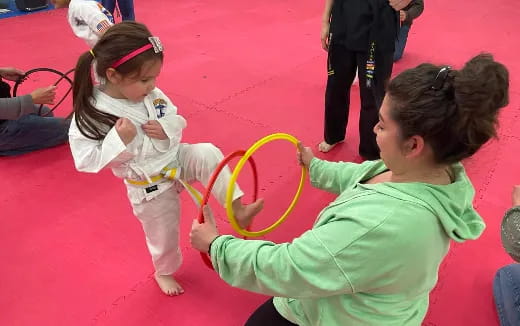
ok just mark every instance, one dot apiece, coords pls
pixel 113 76
pixel 414 146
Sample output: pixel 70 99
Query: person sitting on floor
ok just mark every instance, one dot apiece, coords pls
pixel 23 126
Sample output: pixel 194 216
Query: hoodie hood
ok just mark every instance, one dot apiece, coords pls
pixel 452 204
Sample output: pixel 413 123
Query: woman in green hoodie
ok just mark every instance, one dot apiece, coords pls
pixel 373 254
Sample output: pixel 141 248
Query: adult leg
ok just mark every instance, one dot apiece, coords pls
pixel 32 132
pixel 341 71
pixel 371 100
pixel 127 9
pixel 160 221
pixel 267 314
pixel 400 42
pixel 506 291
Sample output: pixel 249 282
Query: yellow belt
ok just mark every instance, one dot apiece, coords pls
pixel 165 174
pixel 169 174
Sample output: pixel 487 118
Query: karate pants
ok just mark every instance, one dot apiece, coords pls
pixel 160 215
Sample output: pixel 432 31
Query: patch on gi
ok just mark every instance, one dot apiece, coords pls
pixel 103 26
pixel 151 189
pixel 106 13
pixel 79 22
pixel 160 106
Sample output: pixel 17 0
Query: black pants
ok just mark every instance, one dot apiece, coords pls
pixel 342 66
pixel 5 89
pixel 266 315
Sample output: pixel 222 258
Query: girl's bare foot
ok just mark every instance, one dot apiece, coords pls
pixel 169 285
pixel 244 214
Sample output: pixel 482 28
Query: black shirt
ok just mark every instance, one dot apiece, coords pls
pixel 355 23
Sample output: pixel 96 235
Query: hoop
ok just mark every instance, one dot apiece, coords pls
pixel 234 176
pixel 205 257
pixel 62 76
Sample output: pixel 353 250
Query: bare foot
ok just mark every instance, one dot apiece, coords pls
pixel 169 285
pixel 245 213
pixel 356 80
pixel 324 147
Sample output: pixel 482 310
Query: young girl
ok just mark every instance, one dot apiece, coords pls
pixel 129 125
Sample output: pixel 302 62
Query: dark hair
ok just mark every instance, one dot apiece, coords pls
pixel 118 41
pixel 457 117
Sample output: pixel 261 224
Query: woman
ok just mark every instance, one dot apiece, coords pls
pixel 373 254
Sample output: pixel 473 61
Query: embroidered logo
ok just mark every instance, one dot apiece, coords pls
pixel 160 107
pixel 79 22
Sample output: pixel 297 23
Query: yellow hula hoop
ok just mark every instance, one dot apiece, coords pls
pixel 234 177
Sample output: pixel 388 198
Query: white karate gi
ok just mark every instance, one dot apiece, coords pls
pixel 144 157
pixel 89 20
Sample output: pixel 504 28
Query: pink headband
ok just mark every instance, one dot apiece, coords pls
pixel 155 43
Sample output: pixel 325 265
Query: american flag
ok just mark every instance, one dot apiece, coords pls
pixel 103 26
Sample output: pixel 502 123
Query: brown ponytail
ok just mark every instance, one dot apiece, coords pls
pixel 87 117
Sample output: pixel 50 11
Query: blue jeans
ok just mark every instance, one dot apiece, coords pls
pixel 125 6
pixel 506 290
pixel 32 132
pixel 400 42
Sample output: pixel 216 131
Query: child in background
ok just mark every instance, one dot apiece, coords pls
pixel 130 126
pixel 407 16
pixel 87 18
pixel 125 6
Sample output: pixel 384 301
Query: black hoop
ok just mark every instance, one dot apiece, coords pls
pixel 59 73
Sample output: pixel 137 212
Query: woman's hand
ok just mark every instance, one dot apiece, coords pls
pixel 44 95
pixel 12 74
pixel 304 155
pixel 203 234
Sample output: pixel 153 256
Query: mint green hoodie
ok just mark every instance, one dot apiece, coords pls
pixel 372 256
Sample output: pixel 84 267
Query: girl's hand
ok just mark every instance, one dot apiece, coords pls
pixel 402 15
pixel 126 130
pixel 304 155
pixel 399 4
pixel 324 34
pixel 153 129
pixel 202 235
pixel 516 195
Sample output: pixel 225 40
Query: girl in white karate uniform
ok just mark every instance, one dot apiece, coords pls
pixel 130 126
pixel 87 18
